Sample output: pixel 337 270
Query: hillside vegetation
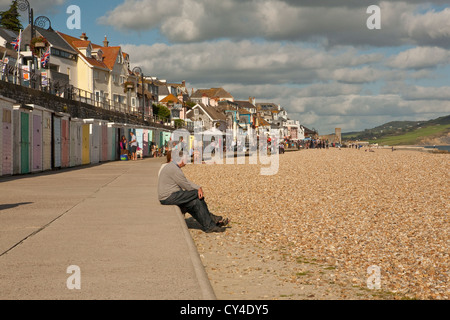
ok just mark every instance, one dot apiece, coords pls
pixel 435 131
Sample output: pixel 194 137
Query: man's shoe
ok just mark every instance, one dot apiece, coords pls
pixel 223 222
pixel 215 229
pixel 217 219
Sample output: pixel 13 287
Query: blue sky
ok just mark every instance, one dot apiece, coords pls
pixel 318 60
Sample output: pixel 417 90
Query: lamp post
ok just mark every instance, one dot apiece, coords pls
pixel 139 70
pixel 24 5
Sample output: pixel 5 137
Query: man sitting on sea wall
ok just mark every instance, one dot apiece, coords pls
pixel 175 189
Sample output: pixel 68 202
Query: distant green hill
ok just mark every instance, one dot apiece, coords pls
pixel 406 133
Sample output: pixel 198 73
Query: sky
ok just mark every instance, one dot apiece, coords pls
pixel 317 59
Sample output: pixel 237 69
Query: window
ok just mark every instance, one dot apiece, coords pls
pixel 99 95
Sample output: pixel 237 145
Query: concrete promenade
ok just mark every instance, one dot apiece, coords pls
pixel 104 219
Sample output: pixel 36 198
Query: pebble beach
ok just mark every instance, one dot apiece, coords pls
pixel 313 230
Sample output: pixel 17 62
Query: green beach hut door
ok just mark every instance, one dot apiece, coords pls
pixel 25 142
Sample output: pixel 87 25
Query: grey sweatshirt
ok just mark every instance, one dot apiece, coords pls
pixel 171 180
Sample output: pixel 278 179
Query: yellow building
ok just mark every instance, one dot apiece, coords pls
pixel 102 72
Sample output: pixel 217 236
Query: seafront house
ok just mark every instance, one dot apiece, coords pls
pixel 61 66
pixel 218 94
pixel 93 74
pixel 295 131
pixel 7 52
pixel 102 74
pixel 117 63
pixel 208 117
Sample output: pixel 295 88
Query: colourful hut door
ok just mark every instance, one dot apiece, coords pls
pixel 25 142
pixel 104 143
pixel 85 154
pixel 57 142
pixel 145 143
pixel 114 144
pixel 37 142
pixel 65 147
pixel 7 143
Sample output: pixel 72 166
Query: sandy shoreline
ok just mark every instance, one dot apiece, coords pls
pixel 312 230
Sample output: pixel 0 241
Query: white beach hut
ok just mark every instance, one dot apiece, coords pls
pixel 6 136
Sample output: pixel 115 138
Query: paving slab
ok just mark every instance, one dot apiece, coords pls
pixel 107 221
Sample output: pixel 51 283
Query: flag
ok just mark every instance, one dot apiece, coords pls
pixel 45 58
pixel 16 42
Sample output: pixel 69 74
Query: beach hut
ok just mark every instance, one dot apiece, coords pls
pixel 104 142
pixel 167 137
pixel 6 136
pixel 22 139
pixel 65 140
pixel 94 137
pixel 150 141
pixel 56 120
pixel 113 140
pixel 146 144
pixel 47 131
pixel 191 142
pixel 76 141
pixel 41 136
pixel 36 139
pixel 140 138
pixel 85 143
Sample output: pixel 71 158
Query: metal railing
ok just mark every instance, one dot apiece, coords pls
pixel 36 79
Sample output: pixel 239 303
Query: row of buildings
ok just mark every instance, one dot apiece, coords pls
pixel 101 74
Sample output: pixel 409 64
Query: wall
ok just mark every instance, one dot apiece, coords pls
pixel 24 95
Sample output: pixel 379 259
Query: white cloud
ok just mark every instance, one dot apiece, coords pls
pixel 336 23
pixel 420 58
pixel 427 93
pixel 247 62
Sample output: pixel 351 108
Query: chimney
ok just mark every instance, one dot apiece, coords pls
pixel 105 42
pixel 84 36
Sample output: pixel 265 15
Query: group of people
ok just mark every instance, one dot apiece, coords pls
pixel 129 148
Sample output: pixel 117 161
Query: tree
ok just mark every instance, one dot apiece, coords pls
pixel 161 111
pixel 10 19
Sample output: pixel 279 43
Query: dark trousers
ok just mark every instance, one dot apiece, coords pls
pixel 188 201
